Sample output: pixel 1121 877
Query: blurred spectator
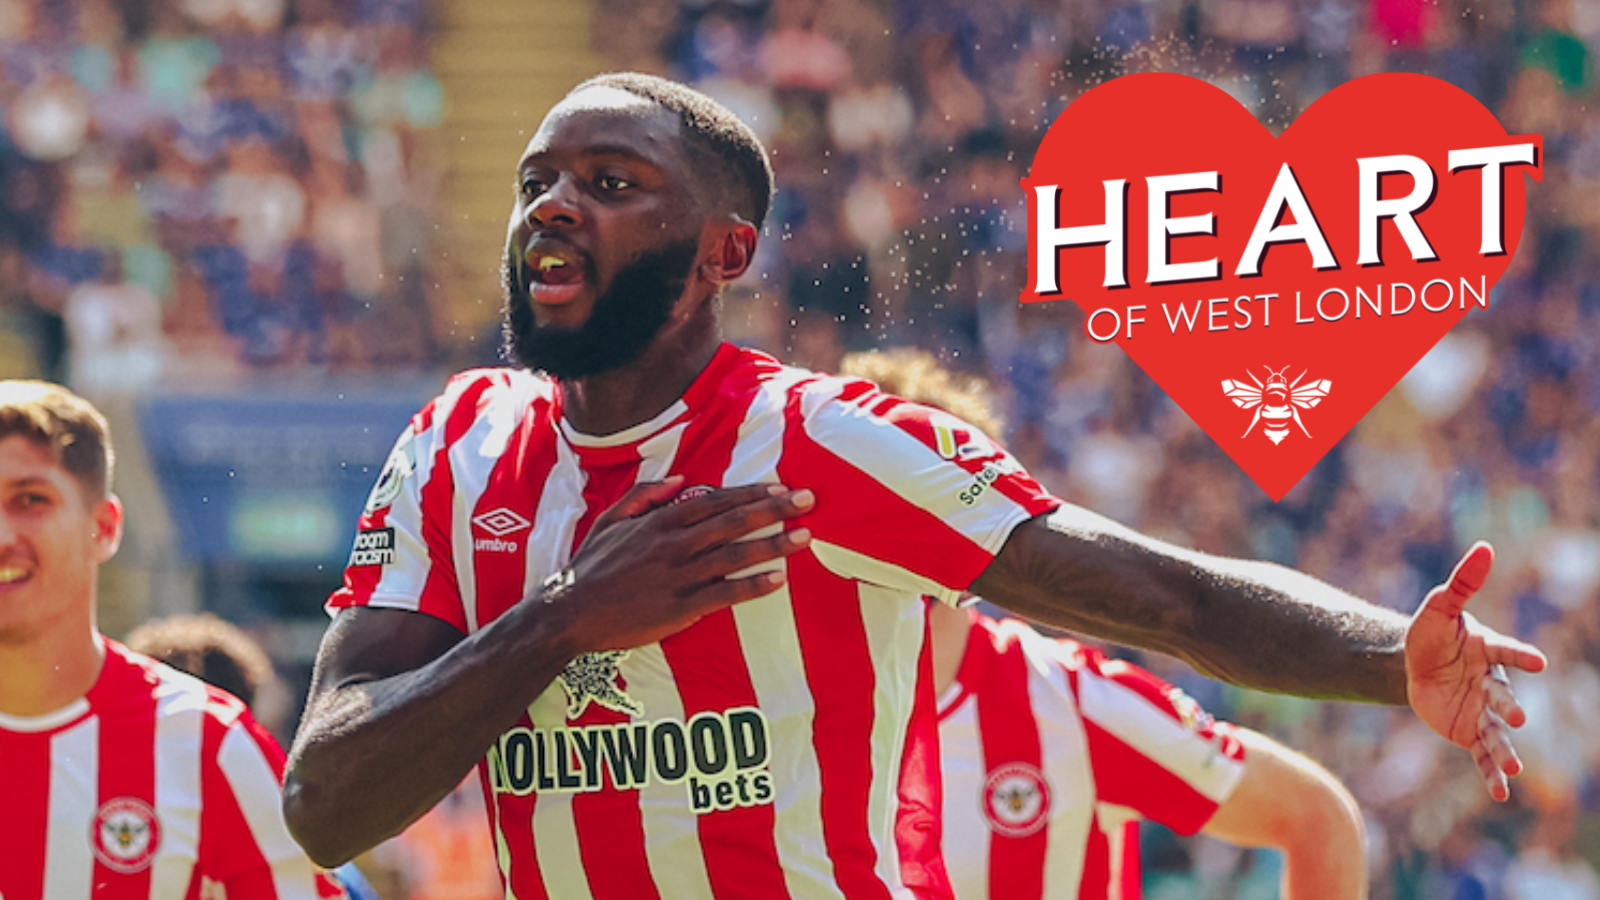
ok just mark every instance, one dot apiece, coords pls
pixel 797 54
pixel 1547 866
pixel 49 119
pixel 114 334
pixel 1554 48
pixel 264 203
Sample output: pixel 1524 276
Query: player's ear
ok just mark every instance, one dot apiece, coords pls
pixel 732 249
pixel 108 520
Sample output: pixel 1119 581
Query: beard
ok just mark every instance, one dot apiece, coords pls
pixel 625 318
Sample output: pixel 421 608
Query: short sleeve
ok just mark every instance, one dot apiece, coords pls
pixel 392 558
pixel 1152 748
pixel 245 846
pixel 403 555
pixel 908 497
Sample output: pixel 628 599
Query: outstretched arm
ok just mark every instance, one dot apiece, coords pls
pixel 1268 627
pixel 402 705
pixel 1288 802
pixel 1246 622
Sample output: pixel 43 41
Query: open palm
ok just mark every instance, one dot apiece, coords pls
pixel 1455 675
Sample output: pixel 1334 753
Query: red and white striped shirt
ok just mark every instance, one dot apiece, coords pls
pixel 781 748
pixel 152 786
pixel 1052 754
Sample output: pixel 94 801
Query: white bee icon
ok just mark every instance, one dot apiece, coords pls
pixel 1276 400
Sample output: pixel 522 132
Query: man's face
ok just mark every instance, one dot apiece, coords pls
pixel 603 236
pixel 51 541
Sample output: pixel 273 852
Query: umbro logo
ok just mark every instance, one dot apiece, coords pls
pixel 500 522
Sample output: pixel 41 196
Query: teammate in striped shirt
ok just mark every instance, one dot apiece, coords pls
pixel 1052 754
pixel 119 776
pixel 222 654
pixel 549 581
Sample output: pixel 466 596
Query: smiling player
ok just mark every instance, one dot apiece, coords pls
pixel 119 777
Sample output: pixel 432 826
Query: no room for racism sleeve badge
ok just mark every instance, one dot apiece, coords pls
pixel 1275 287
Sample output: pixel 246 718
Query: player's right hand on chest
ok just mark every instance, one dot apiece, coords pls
pixel 656 561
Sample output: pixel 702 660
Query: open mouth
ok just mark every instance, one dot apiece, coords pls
pixel 12 575
pixel 553 277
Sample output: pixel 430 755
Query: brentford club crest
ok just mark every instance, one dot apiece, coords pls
pixel 1016 800
pixel 126 834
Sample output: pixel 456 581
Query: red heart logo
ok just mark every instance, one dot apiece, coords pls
pixel 1275 288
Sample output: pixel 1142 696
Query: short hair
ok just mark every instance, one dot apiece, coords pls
pixel 208 648
pixel 714 133
pixel 68 427
pixel 917 375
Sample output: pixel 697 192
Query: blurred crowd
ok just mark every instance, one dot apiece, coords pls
pixel 190 189
pixel 193 189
